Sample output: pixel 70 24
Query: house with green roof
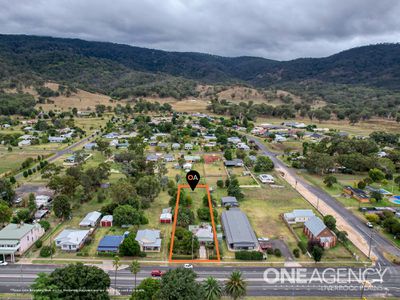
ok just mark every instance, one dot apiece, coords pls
pixel 15 239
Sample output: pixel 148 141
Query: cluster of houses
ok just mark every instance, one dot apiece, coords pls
pixel 364 196
pixel 314 228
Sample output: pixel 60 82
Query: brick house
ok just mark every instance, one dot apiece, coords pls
pixel 315 229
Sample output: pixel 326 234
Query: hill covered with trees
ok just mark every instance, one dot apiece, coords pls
pixel 363 80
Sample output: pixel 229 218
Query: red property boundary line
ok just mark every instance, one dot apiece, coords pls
pixel 185 186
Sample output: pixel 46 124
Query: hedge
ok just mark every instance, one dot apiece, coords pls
pixel 249 255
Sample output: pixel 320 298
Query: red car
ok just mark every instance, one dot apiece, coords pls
pixel 156 273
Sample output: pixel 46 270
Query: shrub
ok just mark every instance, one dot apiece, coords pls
pixel 270 251
pixel 277 252
pixel 220 183
pixel 38 244
pixel 303 247
pixel 249 255
pixel 46 251
pixel 296 252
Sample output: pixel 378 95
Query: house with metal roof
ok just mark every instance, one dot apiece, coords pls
pixel 110 243
pixel 298 216
pixel 91 219
pixel 229 201
pixel 315 229
pixel 234 163
pixel 15 239
pixel 204 233
pixel 71 239
pixel 149 240
pixel 238 232
pixel 152 157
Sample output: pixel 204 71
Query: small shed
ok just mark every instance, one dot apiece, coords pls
pixel 106 221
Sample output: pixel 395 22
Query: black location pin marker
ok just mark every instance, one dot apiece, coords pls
pixel 193 178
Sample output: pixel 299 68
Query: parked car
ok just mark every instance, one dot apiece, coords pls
pixel 3 263
pixel 156 273
pixel 188 266
pixel 369 224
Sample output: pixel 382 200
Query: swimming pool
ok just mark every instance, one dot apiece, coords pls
pixel 395 199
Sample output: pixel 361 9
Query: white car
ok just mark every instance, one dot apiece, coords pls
pixel 3 263
pixel 188 266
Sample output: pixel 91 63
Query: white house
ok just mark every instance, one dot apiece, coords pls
pixel 266 178
pixel 71 239
pixel 188 146
pixel 24 143
pixel 57 139
pixel 243 146
pixel 234 140
pixel 298 216
pixel 42 200
pixel 149 240
pixel 91 219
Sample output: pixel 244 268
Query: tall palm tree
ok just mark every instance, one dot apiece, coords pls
pixel 134 268
pixel 235 287
pixel 213 288
pixel 116 264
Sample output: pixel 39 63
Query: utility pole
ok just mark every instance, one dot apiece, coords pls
pixel 317 203
pixel 192 246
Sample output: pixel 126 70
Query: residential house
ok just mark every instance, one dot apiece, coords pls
pixel 266 178
pixel 234 163
pixel 41 213
pixel 71 239
pixel 234 140
pixel 188 146
pixel 149 240
pixel 90 146
pixel 239 234
pixel 356 193
pixel 187 166
pixel 106 221
pixel 229 201
pixel 110 243
pixel 24 143
pixel 57 139
pixel 243 146
pixel 169 158
pixel 280 138
pixel 204 233
pixel 114 143
pixel 315 229
pixel 192 158
pixel 111 135
pixel 15 239
pixel 175 146
pixel 298 216
pixel 152 157
pixel 91 219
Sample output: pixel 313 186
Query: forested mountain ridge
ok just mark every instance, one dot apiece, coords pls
pixel 375 65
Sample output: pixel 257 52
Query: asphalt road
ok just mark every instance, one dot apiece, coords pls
pixel 379 243
pixel 60 153
pixel 18 278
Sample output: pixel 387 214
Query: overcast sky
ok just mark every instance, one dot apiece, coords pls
pixel 277 29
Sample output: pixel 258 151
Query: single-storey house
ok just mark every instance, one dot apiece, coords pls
pixel 229 201
pixel 187 166
pixel 71 239
pixel 106 221
pixel 57 139
pixel 15 239
pixel 234 140
pixel 192 158
pixel 169 158
pixel 110 243
pixel 298 216
pixel 149 240
pixel 91 219
pixel 357 194
pixel 111 135
pixel 90 146
pixel 152 157
pixel 266 178
pixel 239 234
pixel 243 146
pixel 315 229
pixel 175 146
pixel 24 143
pixel 234 163
pixel 188 146
pixel 204 233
